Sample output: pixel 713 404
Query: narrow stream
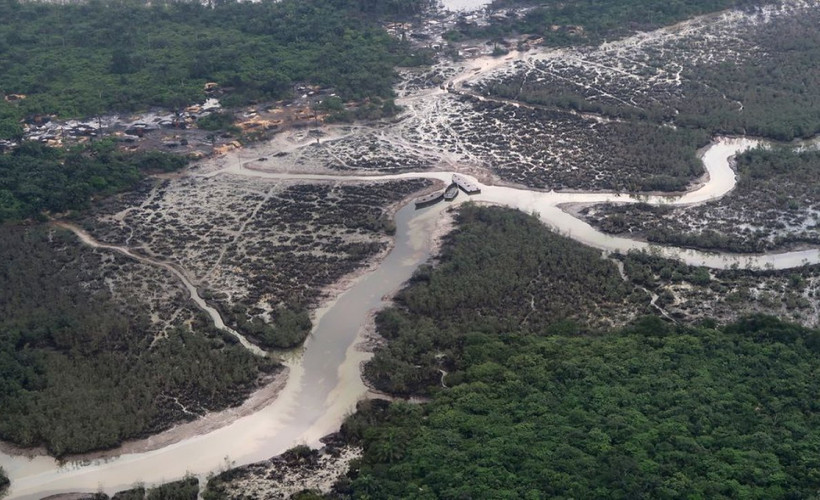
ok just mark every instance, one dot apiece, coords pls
pixel 324 382
pixel 323 386
pixel 192 291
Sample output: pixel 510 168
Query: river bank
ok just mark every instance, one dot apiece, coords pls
pixel 324 381
pixel 322 386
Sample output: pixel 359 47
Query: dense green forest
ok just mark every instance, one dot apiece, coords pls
pixel 530 281
pixel 35 178
pixel 92 57
pixel 652 410
pixel 647 412
pixel 79 371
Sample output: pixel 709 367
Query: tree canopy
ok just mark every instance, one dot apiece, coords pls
pixel 651 410
pixel 35 178
pixel 97 56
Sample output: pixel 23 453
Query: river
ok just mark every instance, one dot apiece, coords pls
pixel 324 382
pixel 323 386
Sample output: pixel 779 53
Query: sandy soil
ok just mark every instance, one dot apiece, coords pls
pixel 258 399
pixel 281 477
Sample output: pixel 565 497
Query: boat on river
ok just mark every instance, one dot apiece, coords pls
pixel 429 199
pixel 451 192
pixel 466 184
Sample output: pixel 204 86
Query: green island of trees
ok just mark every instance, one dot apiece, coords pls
pixel 35 178
pixel 650 410
pixel 530 281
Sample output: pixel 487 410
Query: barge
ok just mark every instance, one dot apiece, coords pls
pixel 451 192
pixel 466 184
pixel 429 199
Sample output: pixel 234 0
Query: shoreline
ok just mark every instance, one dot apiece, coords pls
pixel 369 339
pixel 330 293
pixel 258 399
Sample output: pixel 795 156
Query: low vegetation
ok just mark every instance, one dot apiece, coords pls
pixel 774 206
pixel 693 294
pixel 262 252
pixel 300 473
pixel 80 371
pixel 748 76
pixel 551 149
pixel 650 410
pixel 590 21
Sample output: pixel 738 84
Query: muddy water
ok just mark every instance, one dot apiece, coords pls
pixel 325 383
pixel 323 387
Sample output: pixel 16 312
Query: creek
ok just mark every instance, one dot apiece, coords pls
pixel 324 382
pixel 323 386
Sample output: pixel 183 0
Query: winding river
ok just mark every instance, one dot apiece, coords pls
pixel 324 381
pixel 323 386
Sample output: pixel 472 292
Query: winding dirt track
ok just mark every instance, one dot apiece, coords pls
pixel 200 302
pixel 324 382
